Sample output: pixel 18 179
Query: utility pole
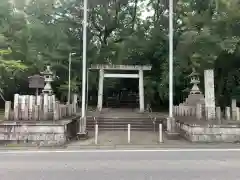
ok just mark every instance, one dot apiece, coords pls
pixel 84 66
pixel 170 58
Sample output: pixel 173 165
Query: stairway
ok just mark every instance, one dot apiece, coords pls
pixel 121 124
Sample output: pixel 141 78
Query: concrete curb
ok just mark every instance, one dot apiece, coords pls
pixel 123 146
pixel 160 146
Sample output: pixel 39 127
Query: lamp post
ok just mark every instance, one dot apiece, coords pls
pixel 69 75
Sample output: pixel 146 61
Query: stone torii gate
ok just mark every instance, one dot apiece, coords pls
pixel 102 68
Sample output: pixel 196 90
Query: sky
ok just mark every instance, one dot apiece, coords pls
pixel 146 13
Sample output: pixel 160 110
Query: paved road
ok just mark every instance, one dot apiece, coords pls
pixel 134 165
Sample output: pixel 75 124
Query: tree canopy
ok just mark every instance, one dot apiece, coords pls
pixel 36 33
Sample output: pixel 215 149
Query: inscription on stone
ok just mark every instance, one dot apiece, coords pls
pixel 209 94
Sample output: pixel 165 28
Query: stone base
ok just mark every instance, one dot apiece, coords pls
pixel 172 135
pixel 171 132
pixel 209 133
pixel 39 133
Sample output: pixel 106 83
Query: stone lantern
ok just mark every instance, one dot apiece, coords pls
pixel 48 77
pixel 195 95
pixel 194 76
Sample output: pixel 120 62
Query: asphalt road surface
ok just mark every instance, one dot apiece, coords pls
pixel 121 165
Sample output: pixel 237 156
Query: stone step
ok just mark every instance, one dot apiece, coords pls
pixel 125 119
pixel 122 125
pixel 121 129
pixel 121 122
pixel 111 124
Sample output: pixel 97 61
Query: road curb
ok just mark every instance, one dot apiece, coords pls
pixel 122 146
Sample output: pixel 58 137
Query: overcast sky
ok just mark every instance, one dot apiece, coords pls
pixel 146 12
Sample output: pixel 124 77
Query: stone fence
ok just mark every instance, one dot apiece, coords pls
pixel 200 112
pixel 42 107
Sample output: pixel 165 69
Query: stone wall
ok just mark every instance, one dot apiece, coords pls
pixel 209 133
pixel 41 133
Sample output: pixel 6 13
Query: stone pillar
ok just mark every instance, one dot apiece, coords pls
pixel 7 110
pixel 31 107
pixel 199 111
pixel 209 94
pixel 55 111
pixel 171 125
pixel 38 108
pixel 180 110
pixel 177 111
pixel 50 104
pixel 218 113
pixel 16 107
pixel 53 101
pixel 100 89
pixel 75 103
pixel 194 111
pixel 36 113
pixel 227 113
pixel 45 106
pixel 237 114
pixel 26 108
pixel 141 91
pixel 234 109
pixel 22 107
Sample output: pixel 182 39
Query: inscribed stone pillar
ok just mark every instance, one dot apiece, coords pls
pixel 194 111
pixel 53 103
pixel 100 89
pixel 177 113
pixel 227 113
pixel 184 110
pixel 22 106
pixel 45 106
pixel 30 107
pixel 36 110
pixel 16 107
pixel 187 111
pixel 209 94
pixel 59 109
pixel 141 91
pixel 55 111
pixel 38 100
pixel 234 106
pixel 180 110
pixel 199 111
pixel 218 113
pixel 49 104
pixel 237 114
pixel 26 108
pixel 75 97
pixel 39 103
pixel 7 110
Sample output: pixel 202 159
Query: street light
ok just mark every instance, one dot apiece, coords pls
pixel 69 75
